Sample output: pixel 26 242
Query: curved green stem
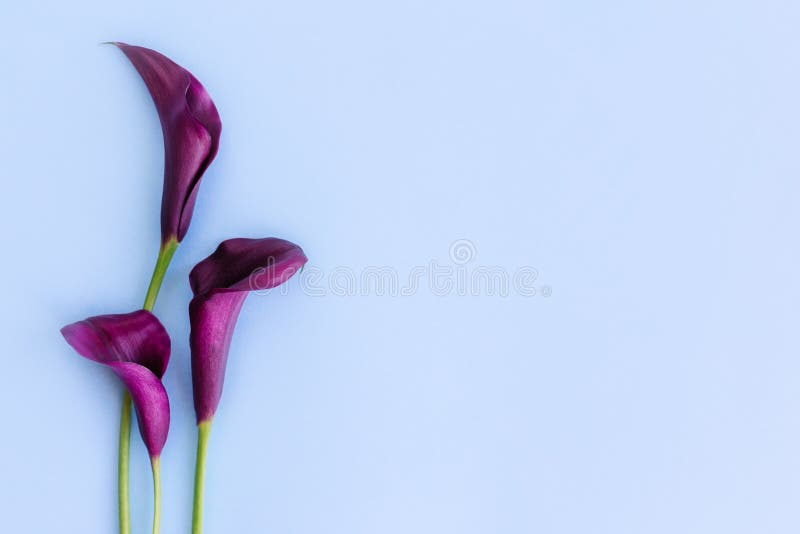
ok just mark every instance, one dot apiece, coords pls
pixel 155 463
pixel 165 254
pixel 203 432
pixel 124 461
pixel 164 257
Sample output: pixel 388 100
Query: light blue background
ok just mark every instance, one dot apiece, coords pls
pixel 643 156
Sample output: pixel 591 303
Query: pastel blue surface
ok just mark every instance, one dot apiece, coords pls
pixel 641 156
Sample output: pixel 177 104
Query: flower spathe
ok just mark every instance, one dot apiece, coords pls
pixel 220 284
pixel 136 347
pixel 191 127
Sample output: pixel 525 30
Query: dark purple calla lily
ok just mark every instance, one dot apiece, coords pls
pixel 136 347
pixel 220 284
pixel 191 128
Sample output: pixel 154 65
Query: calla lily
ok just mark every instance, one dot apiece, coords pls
pixel 191 127
pixel 136 347
pixel 220 284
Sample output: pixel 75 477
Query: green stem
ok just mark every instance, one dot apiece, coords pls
pixel 165 254
pixel 124 460
pixel 164 257
pixel 155 462
pixel 203 432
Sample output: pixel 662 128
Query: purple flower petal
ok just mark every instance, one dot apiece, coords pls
pixel 191 127
pixel 221 283
pixel 136 337
pixel 136 347
pixel 246 264
pixel 151 402
pixel 213 317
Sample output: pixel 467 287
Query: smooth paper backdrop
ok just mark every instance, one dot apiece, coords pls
pixel 642 157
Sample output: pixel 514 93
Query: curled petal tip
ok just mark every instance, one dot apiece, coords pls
pixel 247 264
